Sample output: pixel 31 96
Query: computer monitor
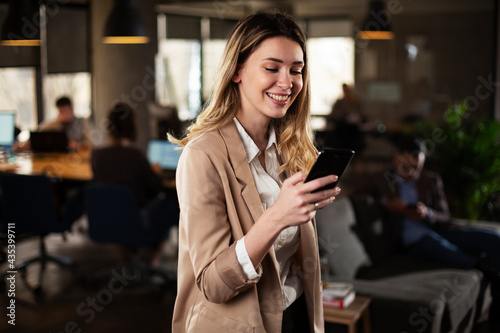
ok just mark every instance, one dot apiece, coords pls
pixel 7 128
pixel 163 153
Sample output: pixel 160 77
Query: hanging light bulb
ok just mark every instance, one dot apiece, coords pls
pixel 124 24
pixel 19 28
pixel 377 23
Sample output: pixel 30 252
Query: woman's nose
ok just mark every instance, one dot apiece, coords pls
pixel 285 82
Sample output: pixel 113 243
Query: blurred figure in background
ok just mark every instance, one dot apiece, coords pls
pixel 77 129
pixel 124 164
pixel 345 122
pixel 347 109
pixel 422 224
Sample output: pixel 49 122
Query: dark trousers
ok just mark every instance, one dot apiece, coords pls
pixel 295 317
pixel 461 248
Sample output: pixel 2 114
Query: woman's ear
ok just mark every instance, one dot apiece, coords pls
pixel 236 77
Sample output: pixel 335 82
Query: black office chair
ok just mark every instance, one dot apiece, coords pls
pixel 114 217
pixel 30 208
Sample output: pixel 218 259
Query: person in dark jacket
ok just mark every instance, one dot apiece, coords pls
pixel 418 210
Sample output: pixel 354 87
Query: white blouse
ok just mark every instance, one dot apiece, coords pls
pixel 268 185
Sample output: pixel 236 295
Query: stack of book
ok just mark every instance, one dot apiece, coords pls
pixel 338 295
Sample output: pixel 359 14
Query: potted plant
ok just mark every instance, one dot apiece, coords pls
pixel 467 155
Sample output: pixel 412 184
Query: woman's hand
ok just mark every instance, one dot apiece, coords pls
pixel 296 204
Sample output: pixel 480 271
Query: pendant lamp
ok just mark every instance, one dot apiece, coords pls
pixel 124 24
pixel 22 24
pixel 377 24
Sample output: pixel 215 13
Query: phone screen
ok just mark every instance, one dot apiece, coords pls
pixel 330 162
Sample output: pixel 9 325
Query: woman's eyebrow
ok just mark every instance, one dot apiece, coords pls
pixel 298 62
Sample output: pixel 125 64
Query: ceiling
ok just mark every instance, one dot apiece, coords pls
pixel 320 8
pixel 311 8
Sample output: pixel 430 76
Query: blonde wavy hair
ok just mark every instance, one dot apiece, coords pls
pixel 293 131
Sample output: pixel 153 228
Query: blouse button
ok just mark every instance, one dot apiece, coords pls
pixel 280 243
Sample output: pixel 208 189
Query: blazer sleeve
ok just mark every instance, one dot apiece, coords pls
pixel 205 225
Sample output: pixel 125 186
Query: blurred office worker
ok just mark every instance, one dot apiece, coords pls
pixel 77 129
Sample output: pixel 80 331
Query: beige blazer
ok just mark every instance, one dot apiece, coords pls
pixel 219 204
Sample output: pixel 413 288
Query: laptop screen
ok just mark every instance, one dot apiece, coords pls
pixel 48 141
pixel 163 153
pixel 7 125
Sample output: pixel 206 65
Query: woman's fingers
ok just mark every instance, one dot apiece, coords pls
pixel 296 204
pixel 324 203
pixel 324 196
pixel 318 183
pixel 296 179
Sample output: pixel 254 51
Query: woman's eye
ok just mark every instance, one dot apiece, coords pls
pixel 271 69
pixel 296 72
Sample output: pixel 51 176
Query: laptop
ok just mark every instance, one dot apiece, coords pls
pixel 48 142
pixel 165 154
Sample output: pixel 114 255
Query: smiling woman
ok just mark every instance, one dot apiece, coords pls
pixel 248 253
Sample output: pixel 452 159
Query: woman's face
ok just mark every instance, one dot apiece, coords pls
pixel 270 79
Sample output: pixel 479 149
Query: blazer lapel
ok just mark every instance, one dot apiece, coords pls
pixel 239 161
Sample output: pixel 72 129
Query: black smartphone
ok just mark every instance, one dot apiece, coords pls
pixel 330 162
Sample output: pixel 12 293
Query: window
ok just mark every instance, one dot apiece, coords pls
pixel 190 50
pixel 179 76
pixel 178 64
pixel 77 86
pixel 212 55
pixel 330 47
pixel 18 94
pixel 331 62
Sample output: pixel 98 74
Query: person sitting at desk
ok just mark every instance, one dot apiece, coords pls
pixel 77 129
pixel 122 163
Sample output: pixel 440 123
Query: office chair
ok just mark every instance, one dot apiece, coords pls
pixel 114 217
pixel 30 208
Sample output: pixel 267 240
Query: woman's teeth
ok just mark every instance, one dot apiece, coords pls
pixel 280 98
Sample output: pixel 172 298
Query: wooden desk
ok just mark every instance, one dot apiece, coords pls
pixel 68 166
pixel 349 316
pixel 71 166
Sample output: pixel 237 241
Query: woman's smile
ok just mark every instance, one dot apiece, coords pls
pixel 281 98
